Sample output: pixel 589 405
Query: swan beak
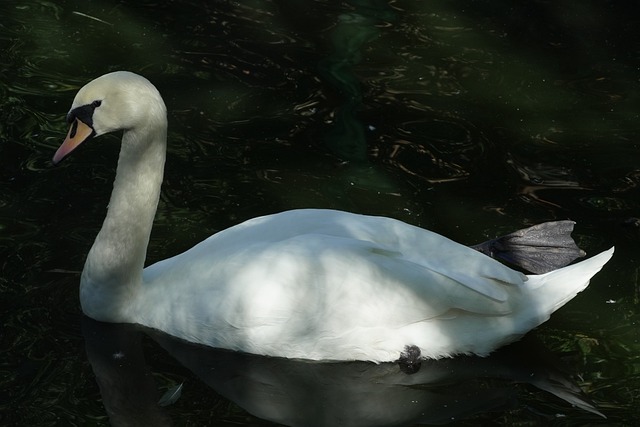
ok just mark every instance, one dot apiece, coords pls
pixel 78 133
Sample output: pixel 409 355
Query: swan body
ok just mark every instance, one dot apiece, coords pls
pixel 310 283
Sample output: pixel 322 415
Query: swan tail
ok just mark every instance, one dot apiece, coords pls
pixel 554 289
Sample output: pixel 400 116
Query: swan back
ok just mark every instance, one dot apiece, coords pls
pixel 322 284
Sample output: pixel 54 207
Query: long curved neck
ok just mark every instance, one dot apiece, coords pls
pixel 112 274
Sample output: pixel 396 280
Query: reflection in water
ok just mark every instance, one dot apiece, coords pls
pixel 127 386
pixel 301 393
pixel 348 42
pixel 436 150
pixel 538 178
pixel 347 137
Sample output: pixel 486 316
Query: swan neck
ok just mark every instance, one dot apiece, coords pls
pixel 112 274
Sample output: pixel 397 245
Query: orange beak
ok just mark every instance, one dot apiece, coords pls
pixel 78 133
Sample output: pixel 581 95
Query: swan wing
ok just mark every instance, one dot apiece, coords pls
pixel 285 277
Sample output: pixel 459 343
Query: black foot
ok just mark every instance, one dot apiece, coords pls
pixel 538 249
pixel 410 359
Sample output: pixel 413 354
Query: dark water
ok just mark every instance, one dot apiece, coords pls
pixel 471 118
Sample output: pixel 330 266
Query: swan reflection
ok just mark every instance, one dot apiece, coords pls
pixel 303 393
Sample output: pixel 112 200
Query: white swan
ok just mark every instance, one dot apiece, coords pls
pixel 311 284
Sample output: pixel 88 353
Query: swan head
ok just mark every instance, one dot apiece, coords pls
pixel 116 101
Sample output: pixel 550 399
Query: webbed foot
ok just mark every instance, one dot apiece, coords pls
pixel 410 359
pixel 538 249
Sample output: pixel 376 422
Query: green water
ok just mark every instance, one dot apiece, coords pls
pixel 471 118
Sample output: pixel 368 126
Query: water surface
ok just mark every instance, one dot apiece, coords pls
pixel 471 118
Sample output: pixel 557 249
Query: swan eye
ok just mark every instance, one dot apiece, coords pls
pixel 84 113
